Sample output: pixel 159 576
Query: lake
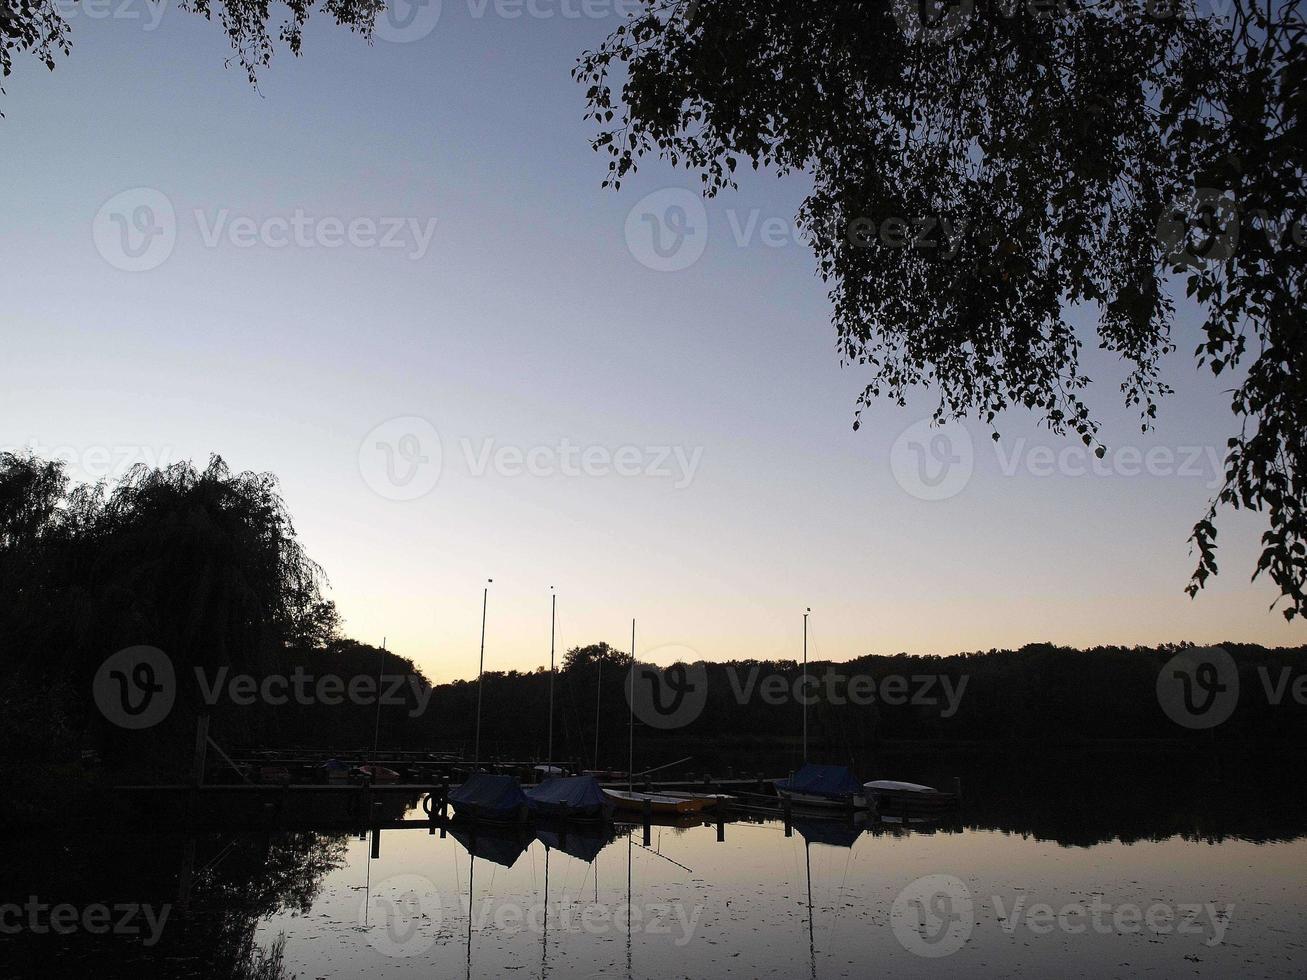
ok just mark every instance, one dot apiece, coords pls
pixel 1061 879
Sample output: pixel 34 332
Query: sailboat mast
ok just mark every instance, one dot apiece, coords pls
pixel 481 669
pixel 553 620
pixel 630 700
pixel 805 684
pixel 376 728
pixel 599 692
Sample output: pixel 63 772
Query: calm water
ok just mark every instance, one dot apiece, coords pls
pixel 819 903
pixel 1161 874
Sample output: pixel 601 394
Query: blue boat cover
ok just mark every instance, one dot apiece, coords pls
pixel 822 781
pixel 489 791
pixel 573 792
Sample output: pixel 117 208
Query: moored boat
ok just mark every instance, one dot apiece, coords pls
pixel 824 787
pixel 661 803
pixel 711 801
pixel 376 774
pixel 569 797
pixel 489 797
pixel 335 771
pixel 892 792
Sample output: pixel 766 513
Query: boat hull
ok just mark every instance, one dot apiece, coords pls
pixel 711 801
pixel 900 800
pixel 600 811
pixel 854 801
pixel 655 802
pixel 484 814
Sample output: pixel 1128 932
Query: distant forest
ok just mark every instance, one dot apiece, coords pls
pixel 205 565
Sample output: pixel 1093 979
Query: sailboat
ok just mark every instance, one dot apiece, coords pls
pixel 570 798
pixel 817 786
pixel 564 797
pixel 629 799
pixel 487 796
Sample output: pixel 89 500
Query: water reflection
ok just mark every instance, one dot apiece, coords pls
pixel 745 897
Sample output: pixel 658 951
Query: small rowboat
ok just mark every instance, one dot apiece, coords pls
pixel 664 803
pixel 711 801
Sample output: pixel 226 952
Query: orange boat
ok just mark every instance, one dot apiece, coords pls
pixel 658 803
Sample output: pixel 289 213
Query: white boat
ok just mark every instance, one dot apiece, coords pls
pixel 894 791
pixel 894 786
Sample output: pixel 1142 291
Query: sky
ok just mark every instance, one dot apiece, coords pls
pixel 390 276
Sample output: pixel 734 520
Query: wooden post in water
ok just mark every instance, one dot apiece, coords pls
pixel 187 872
pixel 648 822
pixel 201 747
pixel 721 826
pixel 788 809
pixel 197 766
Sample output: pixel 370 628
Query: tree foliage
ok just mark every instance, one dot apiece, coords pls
pixel 202 563
pixel 39 27
pixel 983 175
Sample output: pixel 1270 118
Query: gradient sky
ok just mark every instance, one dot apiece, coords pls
pixel 527 322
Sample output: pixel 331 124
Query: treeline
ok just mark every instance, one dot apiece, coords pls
pixel 752 710
pixel 205 565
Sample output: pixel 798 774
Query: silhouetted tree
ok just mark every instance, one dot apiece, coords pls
pixel 983 177
pixel 38 27
pixel 203 564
